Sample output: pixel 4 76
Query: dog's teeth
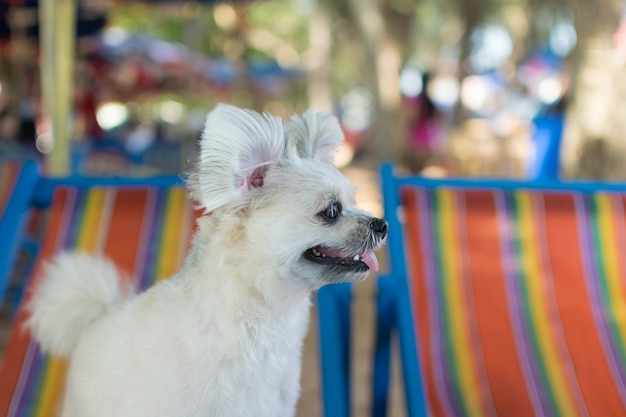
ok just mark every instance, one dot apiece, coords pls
pixel 356 258
pixel 316 252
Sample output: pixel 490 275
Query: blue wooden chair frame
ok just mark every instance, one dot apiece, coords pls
pixel 34 190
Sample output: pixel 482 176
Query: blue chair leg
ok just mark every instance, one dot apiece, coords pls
pixel 409 352
pixel 334 330
pixel 385 322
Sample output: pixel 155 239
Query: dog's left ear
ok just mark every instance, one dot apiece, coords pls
pixel 316 135
pixel 237 149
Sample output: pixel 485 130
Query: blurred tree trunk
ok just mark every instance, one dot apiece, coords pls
pixel 320 96
pixel 594 145
pixel 383 30
pixel 472 13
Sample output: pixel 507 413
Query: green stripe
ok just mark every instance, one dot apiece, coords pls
pixel 155 246
pixel 521 248
pixel 442 278
pixel 32 404
pixel 600 247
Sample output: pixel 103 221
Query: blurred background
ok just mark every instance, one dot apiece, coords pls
pixel 497 88
pixel 526 89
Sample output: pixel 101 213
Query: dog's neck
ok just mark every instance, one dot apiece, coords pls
pixel 220 266
pixel 243 303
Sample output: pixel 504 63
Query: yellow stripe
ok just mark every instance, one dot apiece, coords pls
pixel 531 263
pixel 174 229
pixel 90 227
pixel 452 274
pixel 610 259
pixel 54 384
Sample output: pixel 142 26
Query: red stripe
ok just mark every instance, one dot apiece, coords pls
pixel 581 334
pixel 415 257
pixel 125 231
pixel 504 372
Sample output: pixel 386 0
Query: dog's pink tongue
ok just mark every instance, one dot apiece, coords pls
pixel 370 260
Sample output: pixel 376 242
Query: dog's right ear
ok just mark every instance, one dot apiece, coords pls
pixel 237 148
pixel 316 135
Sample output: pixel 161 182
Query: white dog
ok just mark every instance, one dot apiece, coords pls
pixel 223 337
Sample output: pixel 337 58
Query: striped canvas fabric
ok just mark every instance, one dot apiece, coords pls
pixel 145 231
pixel 519 301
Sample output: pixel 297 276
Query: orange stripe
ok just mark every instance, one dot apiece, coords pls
pixel 581 336
pixel 415 258
pixel 504 372
pixel 125 231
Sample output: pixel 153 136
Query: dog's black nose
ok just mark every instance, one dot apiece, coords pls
pixel 379 226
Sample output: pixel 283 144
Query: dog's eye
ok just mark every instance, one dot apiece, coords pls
pixel 332 211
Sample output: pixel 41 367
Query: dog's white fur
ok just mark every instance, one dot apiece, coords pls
pixel 223 337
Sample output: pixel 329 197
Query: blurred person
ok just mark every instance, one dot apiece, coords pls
pixel 423 127
pixel 27 131
pixel 86 106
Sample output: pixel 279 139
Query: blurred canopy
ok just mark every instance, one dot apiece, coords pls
pixel 488 68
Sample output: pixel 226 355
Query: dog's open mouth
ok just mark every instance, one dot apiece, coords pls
pixel 333 257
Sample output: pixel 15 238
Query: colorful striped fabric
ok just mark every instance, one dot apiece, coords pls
pixel 519 301
pixel 145 231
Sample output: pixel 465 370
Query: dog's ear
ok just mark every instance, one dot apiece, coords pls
pixel 316 135
pixel 237 148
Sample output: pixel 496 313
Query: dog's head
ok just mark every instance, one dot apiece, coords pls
pixel 296 208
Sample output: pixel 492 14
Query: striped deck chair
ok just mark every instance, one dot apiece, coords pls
pixel 508 298
pixel 144 226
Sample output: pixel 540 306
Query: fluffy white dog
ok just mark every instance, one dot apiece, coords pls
pixel 223 337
